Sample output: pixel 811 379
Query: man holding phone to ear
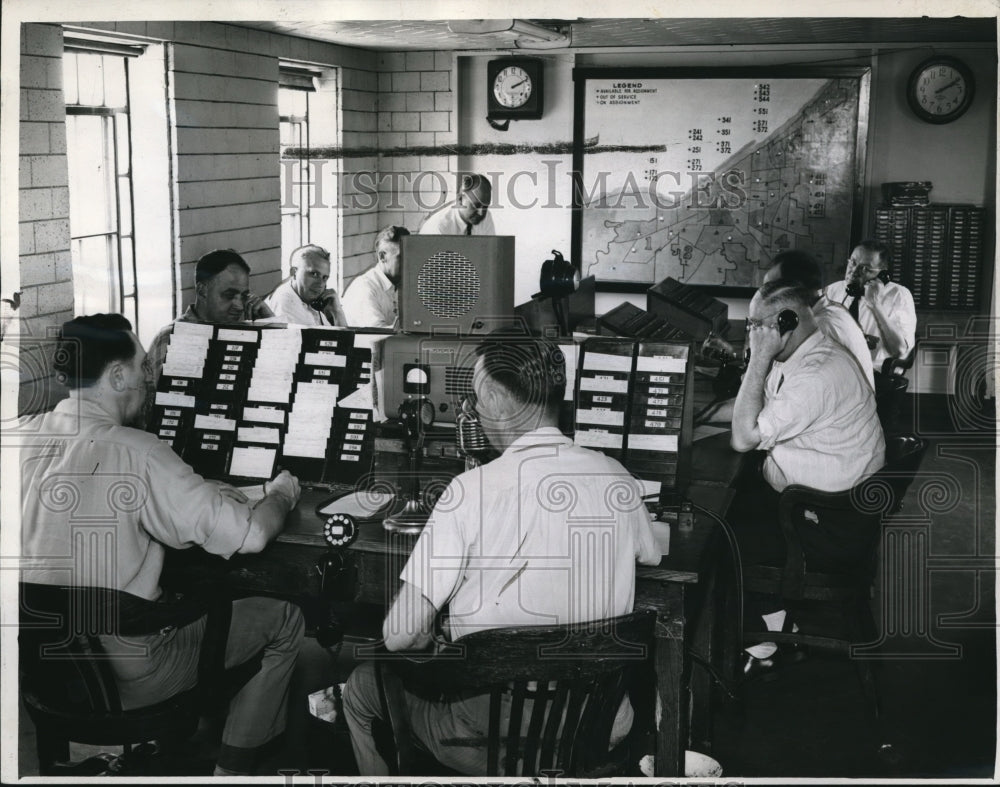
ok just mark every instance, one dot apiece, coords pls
pixel 805 402
pixel 883 308
pixel 303 298
pixel 222 296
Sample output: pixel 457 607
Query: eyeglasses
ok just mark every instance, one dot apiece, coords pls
pixel 752 323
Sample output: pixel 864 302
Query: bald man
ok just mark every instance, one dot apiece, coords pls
pixel 805 403
pixel 303 298
pixel 833 319
pixel 468 215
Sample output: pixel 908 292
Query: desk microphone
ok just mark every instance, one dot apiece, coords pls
pixel 469 434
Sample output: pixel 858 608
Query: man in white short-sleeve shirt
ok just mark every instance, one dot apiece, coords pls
pixel 832 319
pixel 510 543
pixel 370 300
pixel 805 402
pixel 883 308
pixel 86 451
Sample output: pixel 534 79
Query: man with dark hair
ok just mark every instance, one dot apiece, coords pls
pixel 805 402
pixel 503 549
pixel 303 298
pixel 90 449
pixel 370 301
pixel 831 318
pixel 468 215
pixel 883 308
pixel 222 296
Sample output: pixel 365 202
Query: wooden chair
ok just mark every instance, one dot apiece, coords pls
pixel 66 681
pixel 576 675
pixel 842 582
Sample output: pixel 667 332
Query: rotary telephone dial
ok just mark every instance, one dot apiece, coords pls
pixel 856 289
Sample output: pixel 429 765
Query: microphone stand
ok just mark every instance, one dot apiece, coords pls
pixel 410 517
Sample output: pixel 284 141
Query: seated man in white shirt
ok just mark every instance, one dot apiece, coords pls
pixel 831 318
pixel 370 300
pixel 883 308
pixel 468 215
pixel 805 402
pixel 496 555
pixel 303 298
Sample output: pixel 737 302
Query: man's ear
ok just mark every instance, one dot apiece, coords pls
pixel 200 289
pixel 116 376
pixel 292 271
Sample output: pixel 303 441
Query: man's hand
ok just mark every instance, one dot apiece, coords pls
pixel 765 343
pixel 873 292
pixel 256 309
pixel 333 310
pixel 284 485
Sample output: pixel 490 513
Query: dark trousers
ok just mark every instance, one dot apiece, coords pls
pixel 834 543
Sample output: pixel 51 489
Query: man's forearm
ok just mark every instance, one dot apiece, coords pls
pixel 749 403
pixel 892 337
pixel 266 520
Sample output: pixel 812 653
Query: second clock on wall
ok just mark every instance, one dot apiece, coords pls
pixel 514 88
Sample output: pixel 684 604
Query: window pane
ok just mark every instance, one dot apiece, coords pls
pixel 93 275
pixel 69 78
pixel 124 207
pixel 86 153
pixel 127 267
pixel 291 102
pixel 91 80
pixel 115 94
pixel 122 141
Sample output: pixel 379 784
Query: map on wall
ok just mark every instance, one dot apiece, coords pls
pixel 742 168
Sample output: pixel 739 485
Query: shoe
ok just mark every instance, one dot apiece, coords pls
pixel 768 669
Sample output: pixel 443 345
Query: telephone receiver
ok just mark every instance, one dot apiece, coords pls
pixel 788 321
pixel 857 289
pixel 320 303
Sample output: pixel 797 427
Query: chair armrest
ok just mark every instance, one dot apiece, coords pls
pixel 890 365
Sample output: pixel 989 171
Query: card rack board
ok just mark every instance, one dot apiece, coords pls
pixel 239 402
pixel 634 402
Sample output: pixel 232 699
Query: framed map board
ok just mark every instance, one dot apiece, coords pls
pixel 705 175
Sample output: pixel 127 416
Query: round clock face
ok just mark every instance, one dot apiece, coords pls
pixel 940 90
pixel 512 87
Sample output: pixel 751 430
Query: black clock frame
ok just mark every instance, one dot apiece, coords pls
pixel 532 108
pixel 941 60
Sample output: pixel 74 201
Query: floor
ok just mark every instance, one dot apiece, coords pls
pixel 937 672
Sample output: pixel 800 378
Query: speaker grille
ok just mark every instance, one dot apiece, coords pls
pixel 448 285
pixel 458 381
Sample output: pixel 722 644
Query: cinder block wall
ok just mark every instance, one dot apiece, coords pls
pixel 45 269
pixel 224 137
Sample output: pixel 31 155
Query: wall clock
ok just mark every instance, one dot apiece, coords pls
pixel 514 89
pixel 940 89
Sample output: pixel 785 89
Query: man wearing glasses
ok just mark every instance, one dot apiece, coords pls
pixel 883 308
pixel 806 404
pixel 468 215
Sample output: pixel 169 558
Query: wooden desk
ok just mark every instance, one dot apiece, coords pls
pixel 681 590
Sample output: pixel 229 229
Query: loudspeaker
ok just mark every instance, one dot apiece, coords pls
pixel 456 283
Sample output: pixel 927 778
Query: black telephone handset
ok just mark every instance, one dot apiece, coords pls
pixel 857 289
pixel 788 321
pixel 320 303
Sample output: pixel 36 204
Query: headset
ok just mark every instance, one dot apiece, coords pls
pixel 856 289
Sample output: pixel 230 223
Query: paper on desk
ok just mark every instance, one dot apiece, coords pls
pixel 254 492
pixel 705 430
pixel 360 505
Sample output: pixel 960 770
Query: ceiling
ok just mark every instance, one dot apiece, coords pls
pixel 589 33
